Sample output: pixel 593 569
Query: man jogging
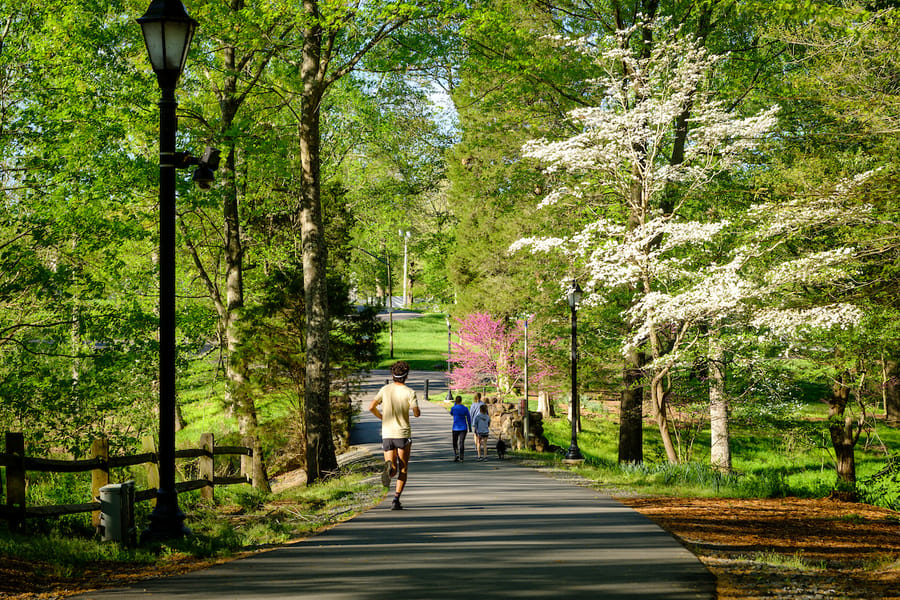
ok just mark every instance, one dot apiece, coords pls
pixel 395 400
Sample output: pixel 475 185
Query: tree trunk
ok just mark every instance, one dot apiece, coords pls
pixel 237 394
pixel 845 457
pixel 892 391
pixel 320 451
pixel 504 383
pixel 545 405
pixel 662 418
pixel 720 441
pixel 631 417
pixel 235 367
pixel 844 432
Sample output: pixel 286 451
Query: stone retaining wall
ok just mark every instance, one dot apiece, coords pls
pixel 506 424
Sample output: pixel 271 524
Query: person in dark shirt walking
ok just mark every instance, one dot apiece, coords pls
pixel 462 423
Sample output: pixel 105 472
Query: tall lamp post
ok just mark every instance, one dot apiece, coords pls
pixel 573 295
pixel 390 299
pixel 168 31
pixel 405 236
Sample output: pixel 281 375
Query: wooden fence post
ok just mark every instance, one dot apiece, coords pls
pixel 148 444
pixel 15 478
pixel 247 461
pixel 207 465
pixel 99 476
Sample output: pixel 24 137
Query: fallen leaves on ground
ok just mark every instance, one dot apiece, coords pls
pixel 786 547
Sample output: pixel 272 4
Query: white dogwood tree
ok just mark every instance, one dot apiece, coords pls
pixel 685 290
pixel 621 156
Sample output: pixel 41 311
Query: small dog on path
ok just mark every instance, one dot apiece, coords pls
pixel 501 449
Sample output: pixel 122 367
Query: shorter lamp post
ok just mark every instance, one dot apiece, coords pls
pixel 449 356
pixel 525 418
pixel 574 297
pixel 405 236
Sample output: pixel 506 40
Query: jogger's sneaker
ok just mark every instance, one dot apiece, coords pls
pixel 386 474
pixel 395 504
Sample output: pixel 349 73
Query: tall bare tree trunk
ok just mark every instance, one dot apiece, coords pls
pixel 229 302
pixel 235 367
pixel 631 411
pixel 720 441
pixel 320 450
pixel 631 403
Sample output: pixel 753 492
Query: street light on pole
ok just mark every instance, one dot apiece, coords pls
pixel 405 236
pixel 573 295
pixel 168 31
pixel 525 424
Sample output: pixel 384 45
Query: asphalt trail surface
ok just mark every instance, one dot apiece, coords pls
pixel 468 530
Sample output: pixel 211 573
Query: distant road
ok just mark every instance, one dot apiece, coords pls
pixel 399 315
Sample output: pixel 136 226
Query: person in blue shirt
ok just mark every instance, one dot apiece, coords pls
pixel 462 423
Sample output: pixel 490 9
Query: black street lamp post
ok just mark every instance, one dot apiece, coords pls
pixel 168 31
pixel 574 297
pixel 526 433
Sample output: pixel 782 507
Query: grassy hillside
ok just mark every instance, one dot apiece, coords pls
pixel 422 342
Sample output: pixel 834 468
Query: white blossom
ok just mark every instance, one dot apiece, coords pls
pixel 801 213
pixel 537 244
pixel 793 323
pixel 818 267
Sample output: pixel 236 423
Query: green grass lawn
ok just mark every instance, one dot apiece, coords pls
pixel 767 462
pixel 422 342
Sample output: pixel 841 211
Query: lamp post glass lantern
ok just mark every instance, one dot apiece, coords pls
pixel 573 296
pixel 168 31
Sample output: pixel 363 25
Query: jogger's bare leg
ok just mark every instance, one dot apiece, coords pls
pixel 402 467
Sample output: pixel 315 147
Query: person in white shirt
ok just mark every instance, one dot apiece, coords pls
pixel 476 406
pixel 482 427
pixel 395 401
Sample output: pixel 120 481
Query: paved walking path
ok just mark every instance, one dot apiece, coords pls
pixel 470 530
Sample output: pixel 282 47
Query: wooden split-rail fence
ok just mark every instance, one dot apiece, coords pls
pixel 17 465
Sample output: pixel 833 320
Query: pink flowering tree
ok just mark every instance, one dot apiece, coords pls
pixel 489 351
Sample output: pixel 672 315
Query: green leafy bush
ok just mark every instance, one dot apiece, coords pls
pixel 883 487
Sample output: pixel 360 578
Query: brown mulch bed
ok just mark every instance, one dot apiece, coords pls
pixel 27 580
pixel 779 548
pixel 787 547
